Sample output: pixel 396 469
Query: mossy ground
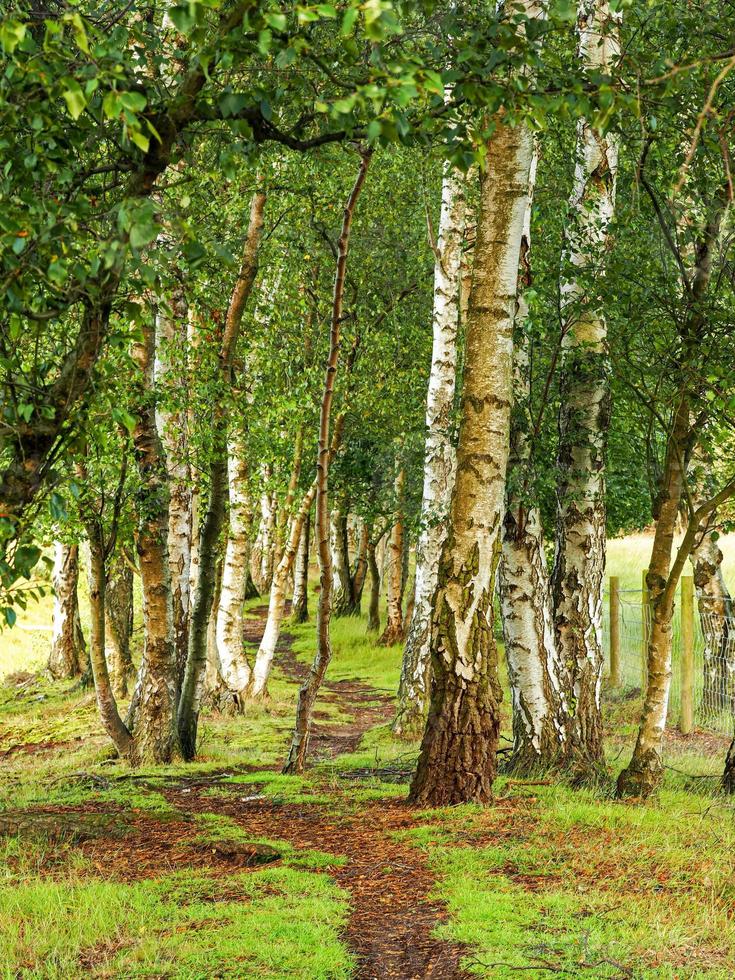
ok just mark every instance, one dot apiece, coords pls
pixel 550 880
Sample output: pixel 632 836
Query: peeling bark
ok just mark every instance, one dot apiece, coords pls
pixel 439 454
pixel 579 562
pixel 68 656
pixel 234 668
pixel 457 763
pixel 535 671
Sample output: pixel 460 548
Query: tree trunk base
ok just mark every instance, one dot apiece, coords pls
pixel 391 635
pixel 642 777
pixel 409 724
pixel 728 777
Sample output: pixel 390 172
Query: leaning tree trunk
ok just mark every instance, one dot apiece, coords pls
pixel 457 763
pixel 171 418
pixel 152 715
pixel 234 669
pixel 535 671
pixel 191 689
pixel 300 602
pixel 439 457
pixel 579 563
pixel 106 703
pixel 394 632
pixel 645 770
pixel 119 610
pixel 310 688
pixel 68 656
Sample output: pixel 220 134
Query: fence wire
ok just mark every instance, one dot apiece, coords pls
pixel 713 682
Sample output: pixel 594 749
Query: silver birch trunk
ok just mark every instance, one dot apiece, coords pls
pixel 439 454
pixel 234 669
pixel 68 656
pixel 170 374
pixel 535 670
pixel 458 763
pixel 579 563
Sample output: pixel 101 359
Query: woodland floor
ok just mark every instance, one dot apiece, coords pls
pixel 226 868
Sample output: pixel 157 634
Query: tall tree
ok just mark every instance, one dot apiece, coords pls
pixel 579 561
pixel 439 455
pixel 458 752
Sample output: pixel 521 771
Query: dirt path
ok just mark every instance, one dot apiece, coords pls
pixel 393 912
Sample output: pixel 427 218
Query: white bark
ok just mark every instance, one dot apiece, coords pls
pixel 233 663
pixel 536 673
pixel 68 656
pixel 171 421
pixel 580 546
pixel 277 601
pixel 439 453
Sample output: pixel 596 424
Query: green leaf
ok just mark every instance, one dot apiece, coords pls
pixel 10 615
pixel 12 33
pixel 140 139
pixel 348 21
pixel 75 99
pixel 275 20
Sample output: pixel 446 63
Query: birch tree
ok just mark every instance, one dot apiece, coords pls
pixel 536 673
pixel 439 454
pixel 457 761
pixel 68 656
pixel 579 561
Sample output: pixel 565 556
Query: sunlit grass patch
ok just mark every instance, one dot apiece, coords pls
pixel 276 922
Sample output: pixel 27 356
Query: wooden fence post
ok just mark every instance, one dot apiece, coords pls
pixel 614 631
pixel 686 718
pixel 645 612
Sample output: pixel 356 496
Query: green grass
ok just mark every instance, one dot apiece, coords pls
pixel 550 879
pixel 570 882
pixel 284 921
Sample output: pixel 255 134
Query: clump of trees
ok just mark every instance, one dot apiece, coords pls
pixel 440 294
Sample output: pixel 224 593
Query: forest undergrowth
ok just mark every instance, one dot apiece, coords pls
pixel 225 867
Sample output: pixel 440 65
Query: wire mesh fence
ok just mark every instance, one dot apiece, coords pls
pixel 703 655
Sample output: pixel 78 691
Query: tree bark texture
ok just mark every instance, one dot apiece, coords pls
pixel 536 674
pixel 152 716
pixel 439 454
pixel 119 610
pixel 394 631
pixel 172 419
pixel 300 602
pixel 68 656
pixel 579 563
pixel 234 667
pixel 457 763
